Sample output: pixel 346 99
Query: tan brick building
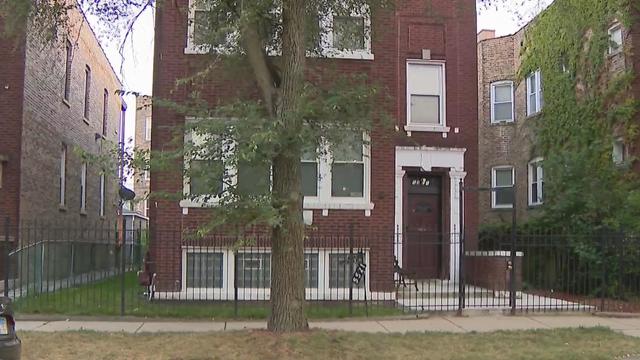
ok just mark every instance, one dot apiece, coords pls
pixel 142 142
pixel 508 110
pixel 55 100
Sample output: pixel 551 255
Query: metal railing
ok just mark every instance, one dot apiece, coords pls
pixel 89 271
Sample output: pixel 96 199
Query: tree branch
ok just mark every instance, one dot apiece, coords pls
pixel 258 61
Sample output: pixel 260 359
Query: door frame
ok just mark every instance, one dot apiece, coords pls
pixel 451 160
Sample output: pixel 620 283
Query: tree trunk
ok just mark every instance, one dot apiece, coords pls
pixel 287 284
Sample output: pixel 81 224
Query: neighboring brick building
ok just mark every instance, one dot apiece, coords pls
pixel 55 99
pixel 409 183
pixel 142 142
pixel 507 112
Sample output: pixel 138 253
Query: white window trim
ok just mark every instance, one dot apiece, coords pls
pixel 536 75
pixel 323 291
pixel 102 194
pixel 616 142
pixel 147 128
pixel 493 102
pixel 615 27
pixel 539 181
pixel 442 127
pixel 202 201
pixel 325 201
pixel 83 188
pixel 493 185
pixel 326 38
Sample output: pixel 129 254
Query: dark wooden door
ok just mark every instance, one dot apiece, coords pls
pixel 423 228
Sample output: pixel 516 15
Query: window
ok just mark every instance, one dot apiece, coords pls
pixel 309 174
pixel 425 96
pixel 145 176
pixel 536 182
pixel 346 36
pixel 63 175
pixel 254 270
pixel 502 102
pixel 147 128
pixel 349 32
pixel 615 39
pixel 347 169
pixel 311 271
pixel 201 180
pixel 204 172
pixel 204 270
pixel 105 111
pixel 502 182
pixel 102 194
pixel 341 270
pixel 253 179
pixel 619 151
pixel 67 70
pixel 534 93
pixel 83 188
pixel 87 91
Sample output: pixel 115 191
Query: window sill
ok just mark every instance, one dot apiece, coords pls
pixel 195 51
pixel 427 128
pixel 194 203
pixel 534 115
pixel 62 208
pixel 66 102
pixel 502 122
pixel 86 121
pixel 502 208
pixel 535 206
pixel 344 54
pixel 83 212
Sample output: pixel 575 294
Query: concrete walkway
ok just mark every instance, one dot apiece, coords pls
pixel 453 324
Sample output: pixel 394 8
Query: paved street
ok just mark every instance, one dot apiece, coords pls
pixel 453 324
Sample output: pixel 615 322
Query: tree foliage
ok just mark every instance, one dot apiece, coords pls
pixel 588 104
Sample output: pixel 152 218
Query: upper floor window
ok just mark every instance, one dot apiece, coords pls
pixel 619 153
pixel 615 38
pixel 83 188
pixel 310 174
pixel 103 188
pixel 105 111
pixel 534 93
pixel 502 182
pixel 426 96
pixel 502 102
pixel 67 70
pixel 536 182
pixel 198 25
pixel 347 169
pixel 346 36
pixel 87 91
pixel 147 128
pixel 348 33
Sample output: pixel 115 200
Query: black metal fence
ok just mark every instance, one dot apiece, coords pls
pixel 81 270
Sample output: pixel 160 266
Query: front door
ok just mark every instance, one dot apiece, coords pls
pixel 423 226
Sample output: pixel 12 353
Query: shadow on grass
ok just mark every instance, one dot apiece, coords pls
pixel 103 298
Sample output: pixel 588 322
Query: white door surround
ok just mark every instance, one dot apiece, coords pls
pixel 428 158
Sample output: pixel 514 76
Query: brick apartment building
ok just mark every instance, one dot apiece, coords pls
pixel 424 56
pixel 507 112
pixel 55 99
pixel 142 142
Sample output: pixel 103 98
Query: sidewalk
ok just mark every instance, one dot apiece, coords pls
pixel 483 323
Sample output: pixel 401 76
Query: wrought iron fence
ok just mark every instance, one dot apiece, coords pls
pixel 89 270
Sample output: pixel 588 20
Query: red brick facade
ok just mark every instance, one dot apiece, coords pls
pixel 447 28
pixel 36 122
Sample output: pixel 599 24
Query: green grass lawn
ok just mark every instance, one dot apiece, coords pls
pixel 103 299
pixel 565 344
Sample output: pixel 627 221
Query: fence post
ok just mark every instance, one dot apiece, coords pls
pixel 351 259
pixel 461 284
pixel 123 245
pixel 605 274
pixel 512 280
pixel 7 248
pixel 235 283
